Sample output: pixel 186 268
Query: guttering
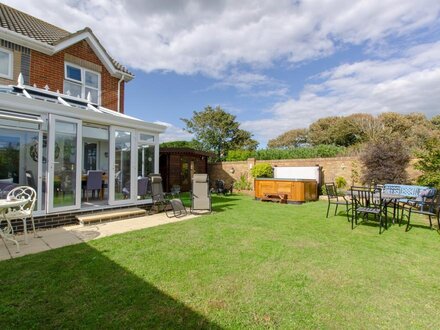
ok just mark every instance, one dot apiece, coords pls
pixel 25 41
pixel 119 92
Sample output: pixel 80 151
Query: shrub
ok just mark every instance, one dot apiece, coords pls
pixel 320 151
pixel 238 155
pixel 429 164
pixel 385 161
pixel 263 170
pixel 340 182
pixel 242 183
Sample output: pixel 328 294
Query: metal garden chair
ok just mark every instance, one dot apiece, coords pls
pixel 335 199
pixel 429 206
pixel 368 201
pixel 24 211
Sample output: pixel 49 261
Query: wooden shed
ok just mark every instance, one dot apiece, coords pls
pixel 177 166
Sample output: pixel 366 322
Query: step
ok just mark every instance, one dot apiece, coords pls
pixel 86 219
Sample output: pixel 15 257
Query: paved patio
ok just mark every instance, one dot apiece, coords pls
pixel 75 234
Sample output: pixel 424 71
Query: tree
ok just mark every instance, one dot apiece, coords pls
pixel 385 161
pixel 322 131
pixel 368 127
pixel 293 138
pixel 218 131
pixel 436 121
pixel 429 164
pixel 414 128
pixel 340 131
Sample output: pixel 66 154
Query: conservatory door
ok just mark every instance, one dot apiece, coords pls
pixel 123 166
pixel 64 175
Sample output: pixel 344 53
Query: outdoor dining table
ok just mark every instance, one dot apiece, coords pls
pixel 388 198
pixel 7 232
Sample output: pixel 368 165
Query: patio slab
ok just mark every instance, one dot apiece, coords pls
pixel 75 234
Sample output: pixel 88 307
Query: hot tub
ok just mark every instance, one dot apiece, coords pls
pixel 297 190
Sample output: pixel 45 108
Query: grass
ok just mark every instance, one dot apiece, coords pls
pixel 248 265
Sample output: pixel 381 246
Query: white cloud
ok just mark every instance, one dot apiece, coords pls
pixel 252 84
pixel 173 133
pixel 212 36
pixel 407 84
pixel 220 38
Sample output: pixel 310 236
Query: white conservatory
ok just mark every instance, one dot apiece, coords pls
pixel 51 141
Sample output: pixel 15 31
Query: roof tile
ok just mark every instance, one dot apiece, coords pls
pixel 32 27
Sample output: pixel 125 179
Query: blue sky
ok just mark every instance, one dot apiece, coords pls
pixel 276 65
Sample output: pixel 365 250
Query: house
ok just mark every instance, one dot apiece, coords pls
pixel 62 115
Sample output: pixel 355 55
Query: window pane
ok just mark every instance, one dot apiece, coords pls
pixel 73 73
pixel 92 79
pixel 122 165
pixel 145 159
pixel 64 182
pixel 146 137
pixel 18 159
pixel 4 63
pixel 93 94
pixel 74 89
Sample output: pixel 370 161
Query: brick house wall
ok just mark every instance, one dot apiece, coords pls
pixel 49 70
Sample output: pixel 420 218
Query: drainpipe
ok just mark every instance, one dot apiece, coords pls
pixel 119 92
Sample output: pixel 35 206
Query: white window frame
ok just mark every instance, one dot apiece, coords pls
pixel 11 59
pixel 82 83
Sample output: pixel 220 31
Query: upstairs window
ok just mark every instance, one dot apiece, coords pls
pixel 5 64
pixel 80 82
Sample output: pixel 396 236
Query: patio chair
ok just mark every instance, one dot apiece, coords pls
pixel 200 196
pixel 175 190
pixel 429 206
pixel 220 187
pixel 24 211
pixel 94 182
pixel 367 201
pixel 175 208
pixel 335 199
pixel 160 200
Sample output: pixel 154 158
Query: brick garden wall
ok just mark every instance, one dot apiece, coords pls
pixel 345 167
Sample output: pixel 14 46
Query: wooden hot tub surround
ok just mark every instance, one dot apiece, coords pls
pixel 297 190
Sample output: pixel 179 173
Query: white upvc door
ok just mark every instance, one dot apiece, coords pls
pixel 64 160
pixel 123 166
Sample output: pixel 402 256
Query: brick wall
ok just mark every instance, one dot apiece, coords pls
pixel 49 70
pixel 63 219
pixel 345 167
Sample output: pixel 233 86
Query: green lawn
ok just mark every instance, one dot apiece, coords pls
pixel 248 265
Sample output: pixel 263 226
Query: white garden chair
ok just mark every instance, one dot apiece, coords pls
pixel 24 211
